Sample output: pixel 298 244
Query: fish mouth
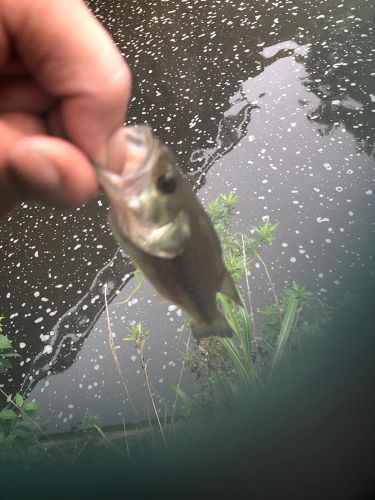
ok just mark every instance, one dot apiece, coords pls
pixel 138 135
pixel 132 189
pixel 141 152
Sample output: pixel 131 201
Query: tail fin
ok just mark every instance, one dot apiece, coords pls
pixel 218 327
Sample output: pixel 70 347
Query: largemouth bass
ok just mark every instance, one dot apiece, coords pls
pixel 160 223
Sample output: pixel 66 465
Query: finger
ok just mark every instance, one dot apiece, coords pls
pixel 14 67
pixel 117 150
pixel 73 57
pixel 9 193
pixel 6 205
pixel 14 127
pixel 22 94
pixel 52 170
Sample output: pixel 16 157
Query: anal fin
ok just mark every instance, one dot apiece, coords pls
pixel 228 288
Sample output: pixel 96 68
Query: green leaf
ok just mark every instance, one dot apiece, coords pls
pixel 7 354
pixel 193 406
pixel 4 365
pixel 287 325
pixel 30 408
pixel 8 414
pixel 5 343
pixel 244 370
pixel 18 399
pixel 22 431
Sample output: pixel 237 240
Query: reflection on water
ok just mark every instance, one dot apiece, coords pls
pixel 232 128
pixel 272 101
pixel 65 339
pixel 341 73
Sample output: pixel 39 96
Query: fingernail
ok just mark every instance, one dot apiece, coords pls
pixel 37 171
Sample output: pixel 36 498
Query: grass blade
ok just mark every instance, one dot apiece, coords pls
pixel 243 369
pixel 287 325
pixel 193 406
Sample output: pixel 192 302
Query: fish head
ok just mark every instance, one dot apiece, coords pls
pixel 147 194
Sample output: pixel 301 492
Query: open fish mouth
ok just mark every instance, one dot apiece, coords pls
pixel 141 148
pixel 141 153
pixel 138 135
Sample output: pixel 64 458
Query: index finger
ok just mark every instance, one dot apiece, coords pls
pixel 73 59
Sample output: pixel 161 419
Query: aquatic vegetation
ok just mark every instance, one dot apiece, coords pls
pixel 212 116
pixel 19 434
pixel 225 368
pixel 19 440
pixel 139 336
pixel 6 351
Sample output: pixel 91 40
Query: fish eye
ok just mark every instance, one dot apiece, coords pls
pixel 166 183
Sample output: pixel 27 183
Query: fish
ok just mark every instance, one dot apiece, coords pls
pixel 158 220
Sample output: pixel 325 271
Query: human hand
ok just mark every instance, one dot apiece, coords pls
pixel 64 90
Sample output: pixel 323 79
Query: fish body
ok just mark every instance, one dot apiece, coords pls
pixel 160 223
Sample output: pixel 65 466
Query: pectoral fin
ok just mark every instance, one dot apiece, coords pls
pixel 228 288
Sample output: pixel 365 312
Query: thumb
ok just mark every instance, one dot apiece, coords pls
pixel 52 170
pixel 74 60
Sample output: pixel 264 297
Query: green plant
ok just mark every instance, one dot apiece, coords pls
pixel 6 351
pixel 89 422
pixel 139 336
pixel 19 440
pixel 226 368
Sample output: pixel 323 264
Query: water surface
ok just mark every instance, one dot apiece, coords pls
pixel 271 100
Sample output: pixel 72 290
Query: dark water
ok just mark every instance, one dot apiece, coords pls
pixel 272 100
